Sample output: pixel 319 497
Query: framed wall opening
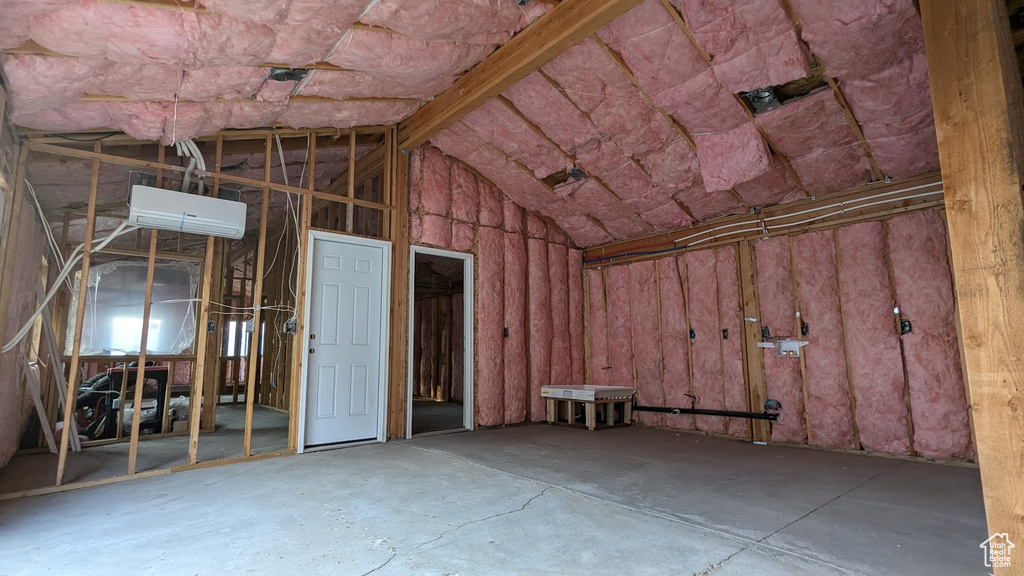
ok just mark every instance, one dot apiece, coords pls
pixel 440 385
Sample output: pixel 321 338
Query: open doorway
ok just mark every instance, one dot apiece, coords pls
pixel 441 342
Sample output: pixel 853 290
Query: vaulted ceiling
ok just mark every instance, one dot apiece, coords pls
pixel 651 123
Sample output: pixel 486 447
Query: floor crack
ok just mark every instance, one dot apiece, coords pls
pixel 394 553
pixel 491 517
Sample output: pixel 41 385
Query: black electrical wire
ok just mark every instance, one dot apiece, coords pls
pixel 97 139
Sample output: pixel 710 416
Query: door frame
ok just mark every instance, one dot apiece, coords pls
pixel 468 397
pixel 385 332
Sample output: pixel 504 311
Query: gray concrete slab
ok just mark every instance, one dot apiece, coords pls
pixel 528 500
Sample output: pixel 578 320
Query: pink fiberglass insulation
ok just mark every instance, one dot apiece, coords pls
pixel 561 345
pixel 515 321
pixel 262 11
pixel 664 213
pixel 617 218
pixel 273 91
pixel 477 21
pixel 416 228
pixel 464 194
pixel 416 179
pixel 597 329
pixel 437 230
pixel 344 84
pixel 462 236
pixel 512 215
pixel 675 167
pixel 437 187
pixel 752 45
pixel 703 204
pixel 731 317
pixel 583 231
pixel 591 78
pixel 776 186
pixel 494 122
pixel 535 227
pixel 706 348
pixel 643 306
pixel 777 302
pixel 520 184
pixel 490 318
pixel 620 341
pixel 917 245
pixel 541 103
pixel 490 204
pixel 653 47
pixel 616 170
pixel 540 325
pixel 428 331
pixel 152 35
pixel 674 342
pixel 815 135
pixel 829 417
pixel 458 349
pixel 346 114
pixel 731 156
pixel 894 109
pixel 872 347
pixel 576 333
pixel 856 39
pixel 397 55
pixel 17 16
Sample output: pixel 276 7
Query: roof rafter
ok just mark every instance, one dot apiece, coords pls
pixel 563 26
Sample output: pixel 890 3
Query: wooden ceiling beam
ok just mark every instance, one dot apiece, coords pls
pixel 554 32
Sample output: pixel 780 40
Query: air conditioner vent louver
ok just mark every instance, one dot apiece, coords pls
pixel 168 210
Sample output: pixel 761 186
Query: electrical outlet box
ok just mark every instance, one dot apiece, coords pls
pixel 250 326
pixel 784 346
pixel 211 326
pixel 291 326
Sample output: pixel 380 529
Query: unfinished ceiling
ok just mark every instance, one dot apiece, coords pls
pixel 170 70
pixel 655 122
pixel 651 111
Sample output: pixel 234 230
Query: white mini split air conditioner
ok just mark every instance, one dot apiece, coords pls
pixel 169 210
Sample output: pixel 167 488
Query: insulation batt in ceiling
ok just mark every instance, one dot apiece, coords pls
pixel 219 51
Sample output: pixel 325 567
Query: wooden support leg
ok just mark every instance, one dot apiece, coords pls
pixel 591 412
pixel 627 412
pixel 552 411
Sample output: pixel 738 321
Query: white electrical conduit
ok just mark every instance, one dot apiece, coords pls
pixel 75 257
pixel 848 205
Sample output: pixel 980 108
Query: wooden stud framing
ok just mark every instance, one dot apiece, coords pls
pixel 299 338
pixel 140 371
pixel 753 359
pixel 399 346
pixel 196 396
pixel 251 366
pixel 846 353
pixel 896 326
pixel 977 103
pixel 69 405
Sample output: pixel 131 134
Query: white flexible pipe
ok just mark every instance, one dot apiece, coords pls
pixel 76 256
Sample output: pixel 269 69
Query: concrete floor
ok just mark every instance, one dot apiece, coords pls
pixel 433 416
pixel 526 500
pixel 269 434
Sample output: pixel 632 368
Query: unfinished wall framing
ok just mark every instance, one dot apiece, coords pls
pixel 251 281
pixel 874 300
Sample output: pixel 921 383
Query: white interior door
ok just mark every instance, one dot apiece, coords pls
pixel 345 341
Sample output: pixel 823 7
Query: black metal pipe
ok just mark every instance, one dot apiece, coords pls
pixel 704 412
